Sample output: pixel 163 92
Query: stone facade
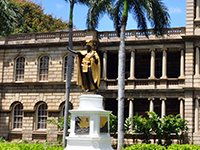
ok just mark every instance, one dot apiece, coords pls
pixel 162 75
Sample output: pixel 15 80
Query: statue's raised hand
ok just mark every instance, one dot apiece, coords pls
pixel 73 51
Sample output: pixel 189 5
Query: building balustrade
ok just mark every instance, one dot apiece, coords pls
pixel 81 35
pixel 138 33
pixel 170 83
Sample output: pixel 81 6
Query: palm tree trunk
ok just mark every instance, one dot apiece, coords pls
pixel 70 64
pixel 121 78
pixel 121 85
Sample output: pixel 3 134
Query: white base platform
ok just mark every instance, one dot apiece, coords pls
pixel 92 134
pixel 89 144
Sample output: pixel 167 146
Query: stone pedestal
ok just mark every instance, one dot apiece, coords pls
pixel 89 128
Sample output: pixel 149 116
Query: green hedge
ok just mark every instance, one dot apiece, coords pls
pixel 159 147
pixel 20 146
pixel 145 147
pixel 184 147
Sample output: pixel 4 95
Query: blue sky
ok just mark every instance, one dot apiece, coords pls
pixel 59 8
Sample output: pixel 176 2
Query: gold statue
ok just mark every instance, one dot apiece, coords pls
pixel 89 68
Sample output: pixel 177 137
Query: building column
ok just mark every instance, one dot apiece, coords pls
pixel 197 10
pixel 131 111
pixel 151 104
pixel 181 99
pixel 164 63
pixel 196 115
pixel 132 64
pixel 163 107
pixel 131 107
pixel 152 67
pixel 104 70
pixel 182 64
pixel 197 62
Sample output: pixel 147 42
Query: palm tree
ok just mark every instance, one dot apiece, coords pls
pixel 156 13
pixel 96 9
pixel 10 14
pixel 70 61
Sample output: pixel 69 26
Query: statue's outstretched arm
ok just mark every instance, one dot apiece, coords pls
pixel 73 51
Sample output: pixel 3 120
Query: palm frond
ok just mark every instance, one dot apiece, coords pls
pixel 137 9
pixel 116 15
pixel 96 10
pixel 158 16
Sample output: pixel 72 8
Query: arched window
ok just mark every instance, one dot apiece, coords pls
pixel 63 109
pixel 43 68
pixel 17 116
pixel 42 116
pixel 65 68
pixel 19 69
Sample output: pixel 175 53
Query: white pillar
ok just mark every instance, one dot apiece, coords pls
pixel 152 67
pixel 196 120
pixel 181 99
pixel 197 10
pixel 182 64
pixel 131 110
pixel 164 63
pixel 131 107
pixel 197 62
pixel 104 74
pixel 151 104
pixel 163 107
pixel 132 64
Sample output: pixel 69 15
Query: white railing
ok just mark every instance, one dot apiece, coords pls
pixel 138 33
pixel 81 34
pixel 45 36
pixel 171 83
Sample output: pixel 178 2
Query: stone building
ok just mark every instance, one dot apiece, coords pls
pixel 162 75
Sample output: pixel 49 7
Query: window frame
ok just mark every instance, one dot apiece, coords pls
pixel 18 116
pixel 37 117
pixel 62 112
pixel 43 74
pixel 20 69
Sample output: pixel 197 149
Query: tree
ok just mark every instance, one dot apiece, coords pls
pixel 9 13
pixel 70 64
pixel 156 13
pixel 96 9
pixel 33 19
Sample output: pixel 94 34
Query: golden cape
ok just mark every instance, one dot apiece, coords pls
pixel 96 70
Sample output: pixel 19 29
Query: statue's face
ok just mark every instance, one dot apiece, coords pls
pixel 88 47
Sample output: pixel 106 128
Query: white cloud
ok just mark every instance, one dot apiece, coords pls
pixel 175 10
pixel 59 6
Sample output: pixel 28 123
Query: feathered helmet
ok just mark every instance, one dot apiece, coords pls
pixel 89 42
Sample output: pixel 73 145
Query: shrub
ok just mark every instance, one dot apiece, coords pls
pixel 163 127
pixel 156 124
pixel 142 125
pixel 159 147
pixel 113 123
pixel 180 127
pixel 174 124
pixel 60 122
pixel 183 147
pixel 20 146
pixel 145 146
